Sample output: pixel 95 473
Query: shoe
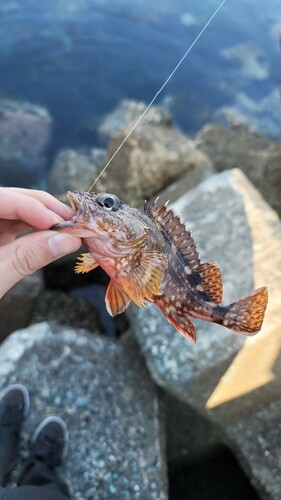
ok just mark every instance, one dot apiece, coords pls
pixel 14 408
pixel 49 442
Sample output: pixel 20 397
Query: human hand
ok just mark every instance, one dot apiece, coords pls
pixel 22 210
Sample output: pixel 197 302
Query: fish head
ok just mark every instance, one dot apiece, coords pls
pixel 104 222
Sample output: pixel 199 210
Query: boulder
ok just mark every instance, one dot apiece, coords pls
pixel 25 133
pixel 109 404
pixel 239 147
pixel 74 169
pixel 151 158
pixel 17 305
pixel 226 377
pixel 128 112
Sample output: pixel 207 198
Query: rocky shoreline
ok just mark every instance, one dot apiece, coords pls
pixel 225 183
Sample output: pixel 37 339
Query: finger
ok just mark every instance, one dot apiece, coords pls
pixel 48 200
pixel 18 206
pixel 29 253
pixel 10 229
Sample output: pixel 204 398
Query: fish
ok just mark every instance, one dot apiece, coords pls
pixel 151 257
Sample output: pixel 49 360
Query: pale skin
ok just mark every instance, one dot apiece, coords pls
pixel 21 254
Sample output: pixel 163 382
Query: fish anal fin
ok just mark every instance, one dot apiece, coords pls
pixel 116 299
pixel 182 324
pixel 211 281
pixel 143 275
pixel 85 263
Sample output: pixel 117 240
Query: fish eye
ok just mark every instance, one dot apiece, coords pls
pixel 109 201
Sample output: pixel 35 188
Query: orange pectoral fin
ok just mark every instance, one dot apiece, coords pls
pixel 85 263
pixel 116 299
pixel 145 277
pixel 183 325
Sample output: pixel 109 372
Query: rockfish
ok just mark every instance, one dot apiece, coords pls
pixel 150 256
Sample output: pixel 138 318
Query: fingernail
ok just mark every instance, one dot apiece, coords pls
pixel 62 244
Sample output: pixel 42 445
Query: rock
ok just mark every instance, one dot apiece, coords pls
pixel 66 310
pixel 29 128
pixel 73 170
pixel 181 186
pixel 109 404
pixel 151 158
pixel 18 303
pixel 225 377
pixel 239 147
pixel 236 147
pixel 271 186
pixel 128 112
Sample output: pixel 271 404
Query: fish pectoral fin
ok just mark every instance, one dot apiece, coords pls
pixel 183 325
pixel 116 299
pixel 211 281
pixel 146 276
pixel 85 263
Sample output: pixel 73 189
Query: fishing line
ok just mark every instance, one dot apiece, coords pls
pixel 158 92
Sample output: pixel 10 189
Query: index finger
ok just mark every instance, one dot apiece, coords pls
pixel 15 205
pixel 47 199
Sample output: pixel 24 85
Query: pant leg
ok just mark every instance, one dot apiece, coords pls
pixel 37 473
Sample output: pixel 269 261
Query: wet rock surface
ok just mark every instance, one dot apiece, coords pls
pixel 224 376
pixel 73 170
pixel 128 112
pixel 240 147
pixel 151 158
pixel 103 391
pixel 29 128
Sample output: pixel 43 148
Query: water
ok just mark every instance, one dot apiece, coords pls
pixel 79 58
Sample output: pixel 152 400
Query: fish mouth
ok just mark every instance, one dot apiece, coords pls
pixel 75 200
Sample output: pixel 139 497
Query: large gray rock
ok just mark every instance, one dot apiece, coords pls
pixel 74 169
pixel 103 391
pixel 239 147
pixel 128 112
pixel 224 376
pixel 151 158
pixel 25 132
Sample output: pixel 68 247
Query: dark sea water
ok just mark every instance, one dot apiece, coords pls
pixel 79 58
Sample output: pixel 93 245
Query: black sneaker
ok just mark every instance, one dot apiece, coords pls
pixel 14 408
pixel 49 443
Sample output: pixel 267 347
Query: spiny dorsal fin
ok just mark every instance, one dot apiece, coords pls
pixel 211 281
pixel 176 232
pixel 116 299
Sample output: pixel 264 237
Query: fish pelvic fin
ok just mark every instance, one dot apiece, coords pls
pixel 85 263
pixel 116 299
pixel 182 324
pixel 246 315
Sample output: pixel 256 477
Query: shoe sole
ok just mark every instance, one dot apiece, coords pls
pixel 62 424
pixel 25 393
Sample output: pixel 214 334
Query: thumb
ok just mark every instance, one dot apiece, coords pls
pixel 29 253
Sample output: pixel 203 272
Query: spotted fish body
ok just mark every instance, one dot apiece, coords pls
pixel 151 257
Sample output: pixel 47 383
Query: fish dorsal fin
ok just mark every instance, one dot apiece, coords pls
pixel 142 275
pixel 211 281
pixel 85 263
pixel 116 299
pixel 176 232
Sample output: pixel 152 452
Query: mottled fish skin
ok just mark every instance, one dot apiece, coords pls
pixel 151 256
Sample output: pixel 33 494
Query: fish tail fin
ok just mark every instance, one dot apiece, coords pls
pixel 246 315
